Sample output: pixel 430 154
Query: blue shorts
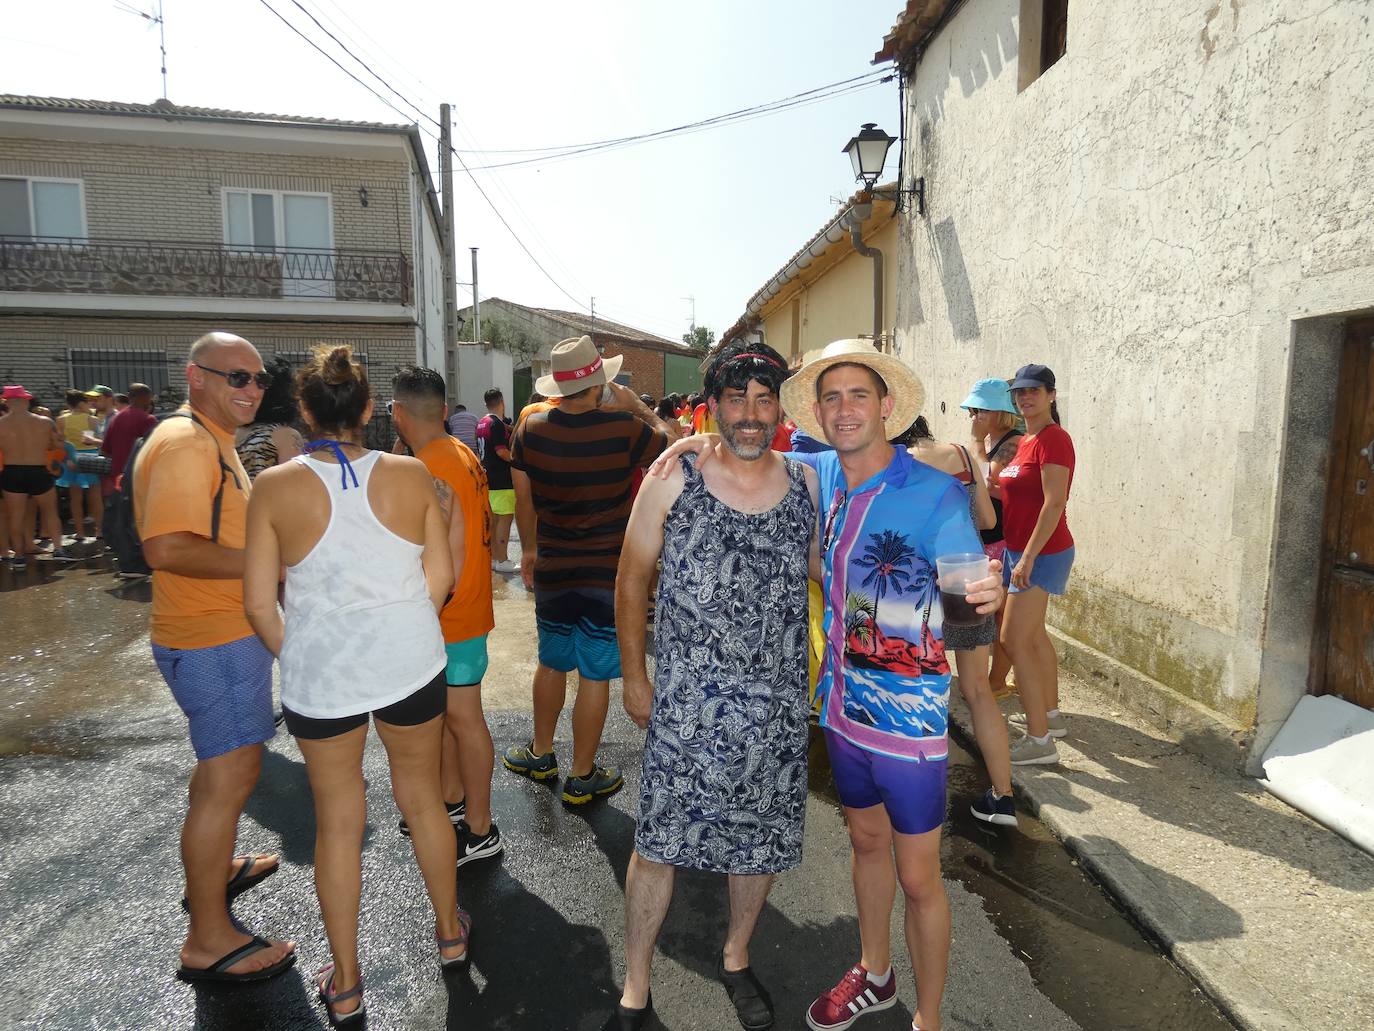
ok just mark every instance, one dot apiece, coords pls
pixel 467 661
pixel 75 479
pixel 577 631
pixel 912 790
pixel 225 692
pixel 1050 572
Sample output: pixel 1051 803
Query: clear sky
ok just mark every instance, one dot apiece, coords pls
pixel 710 214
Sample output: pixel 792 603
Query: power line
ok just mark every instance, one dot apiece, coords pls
pixel 330 57
pixel 495 210
pixel 401 96
pixel 808 96
pixel 748 115
pixel 871 77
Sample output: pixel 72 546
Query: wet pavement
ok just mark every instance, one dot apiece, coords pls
pixel 93 761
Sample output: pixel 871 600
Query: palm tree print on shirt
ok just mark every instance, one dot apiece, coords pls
pixel 887 557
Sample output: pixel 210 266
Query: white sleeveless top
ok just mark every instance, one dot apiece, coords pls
pixel 361 630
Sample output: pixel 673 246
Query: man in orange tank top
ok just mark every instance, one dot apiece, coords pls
pixel 418 410
pixel 191 504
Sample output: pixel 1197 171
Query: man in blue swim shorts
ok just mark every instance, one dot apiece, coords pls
pixel 573 468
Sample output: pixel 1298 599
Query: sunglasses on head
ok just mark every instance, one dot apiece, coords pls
pixel 238 379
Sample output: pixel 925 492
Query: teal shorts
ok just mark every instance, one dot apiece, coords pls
pixel 467 661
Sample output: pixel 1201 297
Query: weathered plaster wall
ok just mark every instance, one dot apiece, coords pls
pixel 1149 217
pixel 839 304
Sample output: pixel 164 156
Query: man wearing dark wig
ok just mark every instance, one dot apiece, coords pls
pixel 724 770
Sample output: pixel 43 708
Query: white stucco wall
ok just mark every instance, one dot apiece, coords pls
pixel 481 367
pixel 429 283
pixel 1151 218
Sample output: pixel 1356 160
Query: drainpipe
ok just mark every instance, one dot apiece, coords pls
pixel 858 215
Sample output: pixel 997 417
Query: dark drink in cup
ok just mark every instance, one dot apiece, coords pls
pixel 956 572
pixel 958 610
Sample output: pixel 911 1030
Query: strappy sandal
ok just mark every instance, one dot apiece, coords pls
pixel 464 929
pixel 324 980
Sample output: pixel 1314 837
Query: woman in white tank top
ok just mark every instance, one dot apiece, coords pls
pixel 365 549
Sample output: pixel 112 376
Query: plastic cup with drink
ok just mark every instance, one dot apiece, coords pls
pixel 956 572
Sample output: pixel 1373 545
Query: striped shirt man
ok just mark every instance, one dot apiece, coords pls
pixel 582 469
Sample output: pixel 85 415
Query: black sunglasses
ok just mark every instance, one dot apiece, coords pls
pixel 238 379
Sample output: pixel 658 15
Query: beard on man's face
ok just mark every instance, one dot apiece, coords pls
pixel 748 451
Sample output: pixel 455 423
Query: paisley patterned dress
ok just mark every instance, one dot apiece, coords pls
pixel 724 776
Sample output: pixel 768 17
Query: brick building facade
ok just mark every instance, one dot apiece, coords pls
pixel 128 230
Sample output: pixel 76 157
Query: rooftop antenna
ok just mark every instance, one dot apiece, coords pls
pixel 152 18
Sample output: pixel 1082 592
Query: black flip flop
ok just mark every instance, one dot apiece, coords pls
pixel 218 973
pixel 242 881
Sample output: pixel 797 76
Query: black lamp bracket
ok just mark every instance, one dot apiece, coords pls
pixel 918 190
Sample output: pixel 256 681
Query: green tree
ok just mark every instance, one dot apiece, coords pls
pixel 699 338
pixel 506 336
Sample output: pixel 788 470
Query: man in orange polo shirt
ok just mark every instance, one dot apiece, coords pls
pixel 190 504
pixel 418 411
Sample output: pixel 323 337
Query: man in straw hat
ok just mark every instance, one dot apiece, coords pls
pixel 884 682
pixel 572 467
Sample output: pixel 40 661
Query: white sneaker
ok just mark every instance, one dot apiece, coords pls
pixel 1030 752
pixel 1059 725
pixel 508 566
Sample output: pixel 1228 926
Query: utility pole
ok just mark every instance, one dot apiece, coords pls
pixel 448 263
pixel 476 300
pixel 593 332
pixel 693 301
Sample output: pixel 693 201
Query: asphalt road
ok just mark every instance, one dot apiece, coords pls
pixel 93 765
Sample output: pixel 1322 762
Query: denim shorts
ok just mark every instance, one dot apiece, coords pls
pixel 225 692
pixel 467 661
pixel 1050 572
pixel 912 790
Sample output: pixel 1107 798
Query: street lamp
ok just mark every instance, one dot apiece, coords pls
pixel 868 154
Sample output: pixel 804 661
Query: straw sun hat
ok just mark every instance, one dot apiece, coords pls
pixel 903 385
pixel 576 365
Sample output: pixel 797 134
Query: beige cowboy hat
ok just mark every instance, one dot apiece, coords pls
pixel 903 385
pixel 576 365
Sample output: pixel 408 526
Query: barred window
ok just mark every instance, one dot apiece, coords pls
pixel 117 368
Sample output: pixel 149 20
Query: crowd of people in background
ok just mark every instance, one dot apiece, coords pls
pixel 771 541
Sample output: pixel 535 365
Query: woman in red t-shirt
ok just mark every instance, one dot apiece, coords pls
pixel 1039 555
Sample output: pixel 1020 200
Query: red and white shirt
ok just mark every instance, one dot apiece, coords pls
pixel 1023 494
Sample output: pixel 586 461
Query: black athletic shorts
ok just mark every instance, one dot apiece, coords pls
pixel 412 710
pixel 32 480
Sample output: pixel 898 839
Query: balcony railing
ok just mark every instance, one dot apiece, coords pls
pixel 154 268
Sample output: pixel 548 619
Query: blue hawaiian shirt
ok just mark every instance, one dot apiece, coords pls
pixel 883 620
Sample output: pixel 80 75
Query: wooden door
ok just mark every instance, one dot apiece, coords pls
pixel 1343 654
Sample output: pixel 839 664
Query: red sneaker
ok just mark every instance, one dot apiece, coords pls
pixel 849 1000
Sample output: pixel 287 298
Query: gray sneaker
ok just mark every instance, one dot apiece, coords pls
pixel 602 781
pixel 1030 752
pixel 1059 725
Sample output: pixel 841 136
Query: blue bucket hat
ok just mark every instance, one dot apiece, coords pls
pixel 990 395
